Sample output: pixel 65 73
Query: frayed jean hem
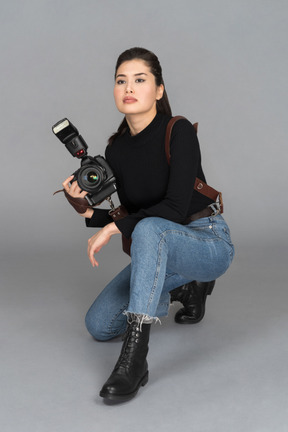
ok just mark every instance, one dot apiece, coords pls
pixel 140 318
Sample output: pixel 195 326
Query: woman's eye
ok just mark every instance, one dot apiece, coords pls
pixel 120 82
pixel 139 80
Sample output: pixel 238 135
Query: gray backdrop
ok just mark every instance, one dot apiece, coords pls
pixel 224 65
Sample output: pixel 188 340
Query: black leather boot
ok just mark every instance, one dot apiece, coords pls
pixel 131 370
pixel 193 297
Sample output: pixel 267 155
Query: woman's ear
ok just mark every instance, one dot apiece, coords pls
pixel 160 91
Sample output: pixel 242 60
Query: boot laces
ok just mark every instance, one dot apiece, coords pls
pixel 131 339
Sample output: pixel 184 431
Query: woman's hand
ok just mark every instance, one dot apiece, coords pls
pixel 75 191
pixel 100 239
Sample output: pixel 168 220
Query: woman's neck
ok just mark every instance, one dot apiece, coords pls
pixel 137 123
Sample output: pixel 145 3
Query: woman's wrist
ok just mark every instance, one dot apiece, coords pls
pixel 88 214
pixel 111 228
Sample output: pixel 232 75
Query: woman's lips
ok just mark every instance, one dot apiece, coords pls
pixel 129 100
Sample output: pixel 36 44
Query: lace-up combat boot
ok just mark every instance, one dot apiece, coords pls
pixel 131 370
pixel 193 297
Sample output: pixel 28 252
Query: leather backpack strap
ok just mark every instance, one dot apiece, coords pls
pixel 168 135
pixel 200 186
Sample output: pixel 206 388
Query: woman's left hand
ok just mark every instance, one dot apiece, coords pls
pixel 100 239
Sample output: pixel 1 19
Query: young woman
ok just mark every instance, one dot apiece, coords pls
pixel 179 246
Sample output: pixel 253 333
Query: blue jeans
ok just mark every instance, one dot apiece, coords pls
pixel 164 255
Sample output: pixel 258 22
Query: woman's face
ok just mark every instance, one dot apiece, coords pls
pixel 135 89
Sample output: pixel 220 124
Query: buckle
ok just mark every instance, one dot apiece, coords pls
pixel 215 207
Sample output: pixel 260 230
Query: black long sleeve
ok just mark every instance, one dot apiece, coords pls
pixel 147 186
pixel 100 218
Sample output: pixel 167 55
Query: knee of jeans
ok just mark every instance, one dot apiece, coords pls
pixel 145 228
pixel 95 328
pixel 103 331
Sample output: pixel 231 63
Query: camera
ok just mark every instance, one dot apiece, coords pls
pixel 95 175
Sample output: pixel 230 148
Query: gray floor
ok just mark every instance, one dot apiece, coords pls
pixel 227 373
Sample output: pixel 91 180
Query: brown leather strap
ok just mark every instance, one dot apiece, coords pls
pixel 126 245
pixel 118 213
pixel 79 204
pixel 200 185
pixel 206 190
pixel 206 212
pixel 168 134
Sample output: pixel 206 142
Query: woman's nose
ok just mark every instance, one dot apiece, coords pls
pixel 129 89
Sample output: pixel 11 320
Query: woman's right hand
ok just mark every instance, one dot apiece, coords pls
pixel 74 191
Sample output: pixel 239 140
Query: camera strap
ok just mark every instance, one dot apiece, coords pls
pixel 118 213
pixel 79 204
pixel 199 185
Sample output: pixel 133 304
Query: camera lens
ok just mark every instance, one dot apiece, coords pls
pixel 91 177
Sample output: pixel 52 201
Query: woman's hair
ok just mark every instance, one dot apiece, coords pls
pixel 152 61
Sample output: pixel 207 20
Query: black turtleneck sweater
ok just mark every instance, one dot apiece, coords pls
pixel 147 185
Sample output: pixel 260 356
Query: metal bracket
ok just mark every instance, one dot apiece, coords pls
pixel 216 208
pixel 109 199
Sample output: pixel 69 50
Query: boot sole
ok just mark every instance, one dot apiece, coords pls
pixel 125 397
pixel 186 319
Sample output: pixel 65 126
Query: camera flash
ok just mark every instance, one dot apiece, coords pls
pixel 59 127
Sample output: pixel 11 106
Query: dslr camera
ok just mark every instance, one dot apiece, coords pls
pixel 95 175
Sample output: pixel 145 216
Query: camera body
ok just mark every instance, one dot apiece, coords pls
pixel 95 175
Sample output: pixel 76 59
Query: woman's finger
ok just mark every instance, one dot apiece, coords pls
pixel 92 257
pixel 66 182
pixel 76 191
pixel 74 186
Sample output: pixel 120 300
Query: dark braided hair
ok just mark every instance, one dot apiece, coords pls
pixel 152 61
